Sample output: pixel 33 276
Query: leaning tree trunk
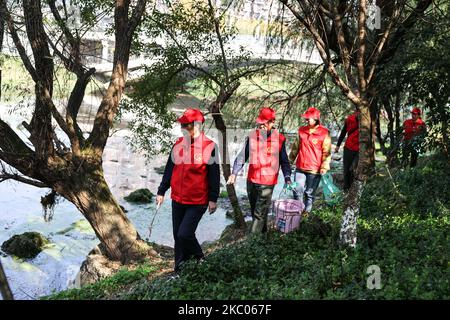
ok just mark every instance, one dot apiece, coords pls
pixel 215 109
pixel 4 286
pixel 365 167
pixel 238 216
pixel 119 239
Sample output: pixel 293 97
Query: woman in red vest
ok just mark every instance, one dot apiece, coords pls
pixel 192 172
pixel 266 151
pixel 351 147
pixel 312 155
pixel 412 129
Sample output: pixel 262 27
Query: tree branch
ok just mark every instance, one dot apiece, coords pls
pixel 219 37
pixel 362 14
pixel 23 179
pixel 137 15
pixel 320 45
pixel 74 62
pixel 14 151
pixel 376 53
pixel 409 22
pixel 16 39
pixel 110 102
pixel 343 47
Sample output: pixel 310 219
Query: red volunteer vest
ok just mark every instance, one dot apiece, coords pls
pixel 411 128
pixel 189 182
pixel 352 142
pixel 264 157
pixel 309 156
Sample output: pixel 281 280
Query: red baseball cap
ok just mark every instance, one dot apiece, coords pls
pixel 191 115
pixel 416 111
pixel 265 114
pixel 311 113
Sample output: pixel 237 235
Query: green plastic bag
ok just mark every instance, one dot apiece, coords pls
pixel 331 192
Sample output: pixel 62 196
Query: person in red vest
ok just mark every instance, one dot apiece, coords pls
pixel 413 130
pixel 265 149
pixel 351 147
pixel 312 155
pixel 192 172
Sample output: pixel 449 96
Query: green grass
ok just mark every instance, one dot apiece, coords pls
pixel 403 229
pixel 17 84
pixel 106 287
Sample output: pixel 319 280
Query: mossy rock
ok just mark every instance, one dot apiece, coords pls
pixel 231 234
pixel 27 245
pixel 81 225
pixel 140 196
pixel 165 252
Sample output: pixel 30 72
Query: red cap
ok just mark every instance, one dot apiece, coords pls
pixel 416 111
pixel 191 115
pixel 311 113
pixel 265 114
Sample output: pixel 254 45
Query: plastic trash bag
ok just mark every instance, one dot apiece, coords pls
pixel 331 192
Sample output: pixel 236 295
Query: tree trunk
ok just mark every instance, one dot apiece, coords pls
pixel 397 114
pixel 239 220
pixel 391 152
pixel 365 168
pixel 238 216
pixel 4 286
pixel 119 239
pixel 381 141
pixel 214 108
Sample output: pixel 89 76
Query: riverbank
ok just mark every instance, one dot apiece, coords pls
pixel 399 231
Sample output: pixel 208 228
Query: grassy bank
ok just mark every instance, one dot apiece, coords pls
pixel 403 229
pixel 18 86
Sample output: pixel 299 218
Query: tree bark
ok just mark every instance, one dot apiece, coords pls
pixel 41 123
pixel 91 195
pixel 4 286
pixel 215 109
pixel 2 28
pixel 365 168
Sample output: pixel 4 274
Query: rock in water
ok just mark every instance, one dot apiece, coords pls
pixel 94 268
pixel 159 170
pixel 27 245
pixel 140 196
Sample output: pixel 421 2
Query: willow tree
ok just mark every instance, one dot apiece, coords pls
pixel 353 44
pixel 197 46
pixel 75 172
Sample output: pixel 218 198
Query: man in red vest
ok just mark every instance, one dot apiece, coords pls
pixel 413 130
pixel 265 149
pixel 312 155
pixel 192 172
pixel 351 147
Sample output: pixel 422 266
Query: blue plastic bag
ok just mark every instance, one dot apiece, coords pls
pixel 331 192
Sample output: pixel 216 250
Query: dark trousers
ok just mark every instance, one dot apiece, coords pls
pixel 307 184
pixel 185 219
pixel 260 198
pixel 410 154
pixel 351 159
